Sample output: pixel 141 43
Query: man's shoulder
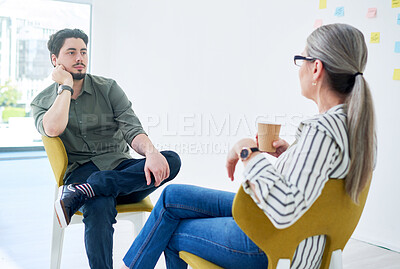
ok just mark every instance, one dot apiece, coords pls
pixel 46 97
pixel 101 81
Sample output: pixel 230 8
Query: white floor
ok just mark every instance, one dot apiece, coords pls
pixel 357 254
pixel 26 208
pixel 361 255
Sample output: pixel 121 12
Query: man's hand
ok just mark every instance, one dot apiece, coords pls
pixel 61 76
pixel 55 120
pixel 157 165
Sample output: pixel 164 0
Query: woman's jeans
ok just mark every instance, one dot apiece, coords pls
pixel 196 220
pixel 125 184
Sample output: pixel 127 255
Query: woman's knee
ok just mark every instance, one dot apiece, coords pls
pixel 170 192
pixel 180 193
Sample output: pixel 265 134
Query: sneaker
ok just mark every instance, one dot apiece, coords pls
pixel 68 202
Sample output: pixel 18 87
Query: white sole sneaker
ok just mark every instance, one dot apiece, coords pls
pixel 62 217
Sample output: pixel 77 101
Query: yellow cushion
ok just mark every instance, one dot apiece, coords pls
pixel 144 205
pixel 196 262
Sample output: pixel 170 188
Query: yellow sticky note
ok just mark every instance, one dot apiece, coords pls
pixel 396 74
pixel 375 37
pixel 395 3
pixel 322 3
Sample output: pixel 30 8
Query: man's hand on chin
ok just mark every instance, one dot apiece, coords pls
pixel 61 76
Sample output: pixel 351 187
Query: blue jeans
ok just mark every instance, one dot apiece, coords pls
pixel 196 220
pixel 125 184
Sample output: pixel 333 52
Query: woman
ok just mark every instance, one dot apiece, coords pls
pixel 337 143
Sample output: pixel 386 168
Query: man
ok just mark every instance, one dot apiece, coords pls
pixel 96 123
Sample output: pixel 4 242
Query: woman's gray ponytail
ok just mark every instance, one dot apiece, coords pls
pixel 343 52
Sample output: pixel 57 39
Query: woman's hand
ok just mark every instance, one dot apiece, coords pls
pixel 233 155
pixel 231 162
pixel 280 145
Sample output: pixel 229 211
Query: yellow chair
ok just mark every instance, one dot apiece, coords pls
pixel 333 214
pixel 58 160
pixel 196 262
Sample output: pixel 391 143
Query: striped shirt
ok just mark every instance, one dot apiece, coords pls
pixel 289 188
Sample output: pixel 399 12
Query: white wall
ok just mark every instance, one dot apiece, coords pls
pixel 187 65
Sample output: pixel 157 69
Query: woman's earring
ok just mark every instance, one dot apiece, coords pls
pixel 314 83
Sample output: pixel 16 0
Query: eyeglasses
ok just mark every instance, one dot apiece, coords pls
pixel 298 59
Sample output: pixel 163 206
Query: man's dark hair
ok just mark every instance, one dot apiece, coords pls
pixel 57 39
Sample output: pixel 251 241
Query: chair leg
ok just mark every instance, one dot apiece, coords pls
pixel 283 264
pixel 336 260
pixel 56 241
pixel 138 220
pixel 76 219
pixel 56 244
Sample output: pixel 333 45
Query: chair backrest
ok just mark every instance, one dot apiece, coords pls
pixel 57 156
pixel 333 214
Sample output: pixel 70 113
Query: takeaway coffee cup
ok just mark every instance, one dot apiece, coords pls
pixel 267 133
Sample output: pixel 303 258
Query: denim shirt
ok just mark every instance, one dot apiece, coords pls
pixel 101 123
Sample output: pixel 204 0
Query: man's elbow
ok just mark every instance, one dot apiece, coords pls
pixel 53 128
pixel 53 131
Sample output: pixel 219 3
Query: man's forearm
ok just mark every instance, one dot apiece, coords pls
pixel 55 120
pixel 142 145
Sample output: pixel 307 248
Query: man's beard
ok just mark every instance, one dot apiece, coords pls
pixel 78 76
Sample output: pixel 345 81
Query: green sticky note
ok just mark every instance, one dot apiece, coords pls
pixel 339 12
pixel 397 47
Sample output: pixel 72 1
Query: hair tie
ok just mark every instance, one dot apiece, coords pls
pixel 358 73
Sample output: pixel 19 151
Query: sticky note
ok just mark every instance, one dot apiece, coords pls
pixel 375 37
pixel 322 4
pixel 398 19
pixel 397 47
pixel 371 12
pixel 317 23
pixel 339 12
pixel 395 3
pixel 396 74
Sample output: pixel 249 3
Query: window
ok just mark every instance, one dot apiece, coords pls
pixel 25 67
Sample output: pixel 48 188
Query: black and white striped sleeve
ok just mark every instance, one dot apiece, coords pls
pixel 285 198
